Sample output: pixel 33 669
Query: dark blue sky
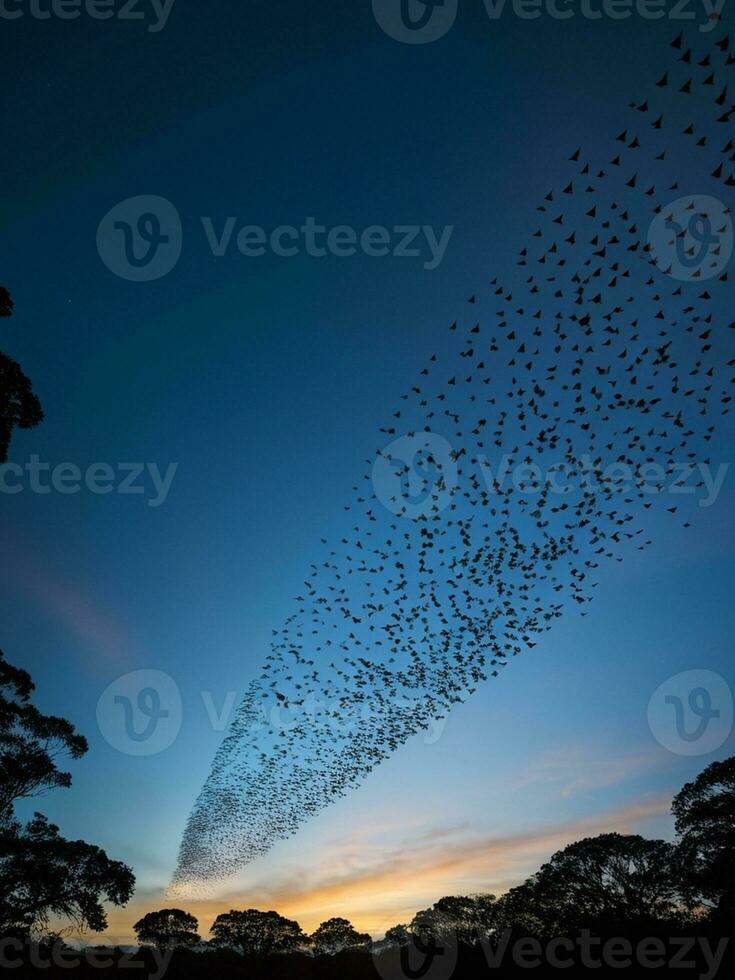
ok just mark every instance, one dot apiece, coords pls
pixel 265 380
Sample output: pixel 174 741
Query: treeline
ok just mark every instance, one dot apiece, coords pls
pixel 250 932
pixel 604 904
pixel 612 880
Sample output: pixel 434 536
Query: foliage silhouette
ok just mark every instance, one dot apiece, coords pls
pixel 19 405
pixel 609 878
pixel 336 935
pixel 464 919
pixel 258 934
pixel 30 743
pixel 41 873
pixel 168 929
pixel 704 812
pixel 399 935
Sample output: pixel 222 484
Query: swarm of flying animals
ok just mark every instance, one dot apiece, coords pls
pixel 596 366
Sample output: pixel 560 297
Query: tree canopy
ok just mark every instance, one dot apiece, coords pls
pixel 41 873
pixel 168 929
pixel 19 405
pixel 465 919
pixel 612 877
pixel 257 933
pixel 31 743
pixel 704 812
pixel 399 935
pixel 336 935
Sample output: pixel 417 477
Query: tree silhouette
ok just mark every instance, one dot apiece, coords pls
pixel 399 935
pixel 612 878
pixel 19 406
pixel 41 873
pixel 30 743
pixel 704 811
pixel 168 929
pixel 257 933
pixel 464 919
pixel 336 935
pixel 528 909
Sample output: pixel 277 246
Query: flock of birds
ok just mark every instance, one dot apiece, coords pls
pixel 599 369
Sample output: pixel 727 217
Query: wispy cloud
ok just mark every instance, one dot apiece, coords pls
pixel 571 770
pixel 93 627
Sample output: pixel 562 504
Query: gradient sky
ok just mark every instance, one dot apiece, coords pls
pixel 265 381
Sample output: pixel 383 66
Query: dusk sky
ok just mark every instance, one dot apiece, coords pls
pixel 263 381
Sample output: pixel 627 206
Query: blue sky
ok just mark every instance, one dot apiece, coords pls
pixel 265 380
